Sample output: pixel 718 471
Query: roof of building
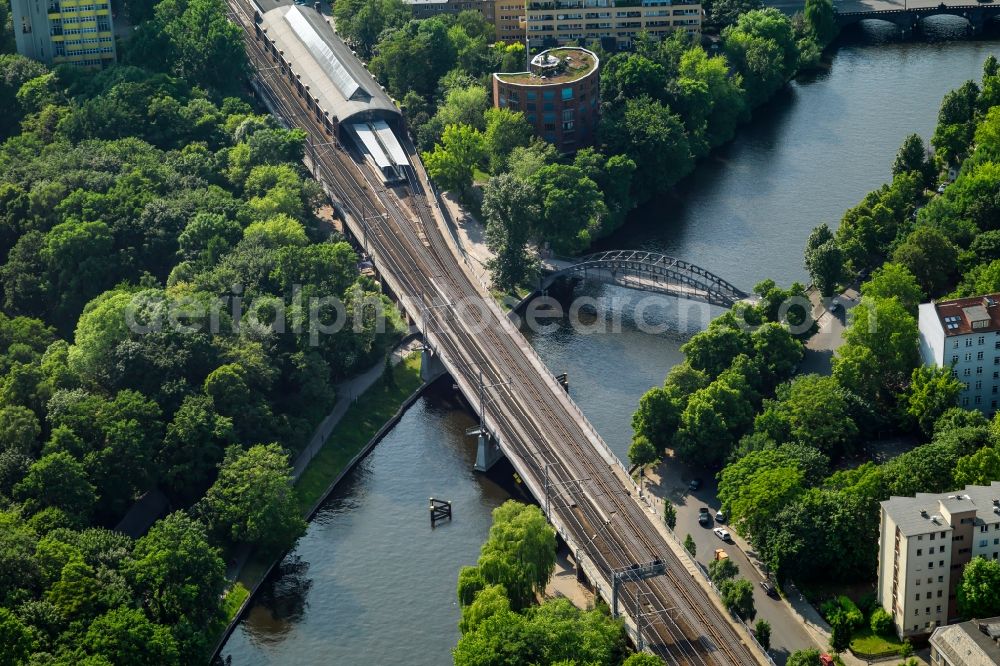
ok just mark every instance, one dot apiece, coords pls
pixel 972 643
pixel 564 64
pixel 325 65
pixel 923 513
pixel 976 314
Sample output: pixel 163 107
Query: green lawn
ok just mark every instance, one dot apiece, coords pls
pixel 865 642
pixel 234 598
pixel 359 425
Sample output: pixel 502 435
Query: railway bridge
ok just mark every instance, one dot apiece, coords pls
pixel 907 15
pixel 619 541
pixel 646 271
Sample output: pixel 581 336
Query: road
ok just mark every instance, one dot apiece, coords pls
pixel 787 632
pixel 553 447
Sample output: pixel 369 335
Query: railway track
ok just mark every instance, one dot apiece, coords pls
pixel 541 430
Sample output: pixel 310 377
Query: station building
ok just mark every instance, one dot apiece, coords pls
pixel 559 96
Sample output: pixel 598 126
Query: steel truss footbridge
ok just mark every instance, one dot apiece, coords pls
pixel 647 271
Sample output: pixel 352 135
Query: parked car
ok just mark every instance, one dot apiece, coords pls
pixel 768 589
pixel 723 534
pixel 720 516
pixel 704 517
pixel 940 189
pixel 695 484
pixel 720 554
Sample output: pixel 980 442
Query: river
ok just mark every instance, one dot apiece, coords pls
pixel 371 582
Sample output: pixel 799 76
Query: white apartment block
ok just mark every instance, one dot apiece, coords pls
pixel 964 334
pixel 924 544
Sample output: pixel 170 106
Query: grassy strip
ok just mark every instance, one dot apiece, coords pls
pixel 362 420
pixel 234 598
pixel 865 641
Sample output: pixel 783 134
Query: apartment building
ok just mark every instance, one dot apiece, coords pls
pixel 972 643
pixel 924 544
pixel 510 21
pixel 75 32
pixel 559 96
pixel 615 23
pixel 423 9
pixel 964 334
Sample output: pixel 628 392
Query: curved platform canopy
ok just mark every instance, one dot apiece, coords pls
pixel 325 66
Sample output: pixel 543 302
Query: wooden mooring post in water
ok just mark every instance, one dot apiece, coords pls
pixel 440 509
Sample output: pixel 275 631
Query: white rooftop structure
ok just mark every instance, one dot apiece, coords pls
pixel 325 66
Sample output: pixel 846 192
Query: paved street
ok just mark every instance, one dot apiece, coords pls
pixel 788 633
pixel 821 347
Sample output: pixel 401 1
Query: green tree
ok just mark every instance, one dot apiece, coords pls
pixel 572 209
pixel 642 452
pixel 126 636
pixel 505 131
pixel 451 162
pixel 808 657
pixel 362 22
pixel 59 481
pixel 519 553
pixel 669 515
pixel 19 429
pixel 252 501
pixel 894 281
pixel 979 590
pixel 762 47
pixel 821 19
pixel 16 643
pixel 881 622
pixel 179 578
pixel 928 254
pixel 824 259
pixel 931 393
pixel 690 546
pixel 489 601
pixel 654 137
pixel 722 570
pixel 193 447
pixel 642 659
pixel 979 468
pixel 510 209
pixel 762 630
pixel 840 632
pixel 912 156
pixel 737 594
pixel 881 349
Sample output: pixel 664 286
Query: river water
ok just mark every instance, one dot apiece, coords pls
pixel 371 582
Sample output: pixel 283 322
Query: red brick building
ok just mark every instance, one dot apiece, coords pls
pixel 559 96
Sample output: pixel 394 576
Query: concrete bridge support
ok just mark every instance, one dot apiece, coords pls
pixel 487 451
pixel 431 366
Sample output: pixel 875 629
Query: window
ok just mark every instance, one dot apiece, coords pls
pixel 984 528
pixel 567 94
pixel 968 357
pixel 979 356
pixel 983 543
pixel 917 598
pixel 954 358
pixel 939 594
pixel 531 95
pixel 920 551
pixel 979 384
pixel 965 402
pixel 938 609
pixel 916 611
pixel 954 345
pixel 979 399
pixel 979 370
pixel 940 579
pixel 968 342
pixel 981 340
pixel 549 95
pixel 930 565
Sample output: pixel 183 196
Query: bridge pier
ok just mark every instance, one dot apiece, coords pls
pixel 431 366
pixel 487 451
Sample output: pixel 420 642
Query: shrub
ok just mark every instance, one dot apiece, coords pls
pixel 881 622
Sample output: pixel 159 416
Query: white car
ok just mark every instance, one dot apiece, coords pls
pixel 722 533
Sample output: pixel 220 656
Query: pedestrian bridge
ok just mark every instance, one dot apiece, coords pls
pixel 646 271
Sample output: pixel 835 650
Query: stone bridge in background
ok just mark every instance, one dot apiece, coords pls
pixel 645 271
pixel 905 14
